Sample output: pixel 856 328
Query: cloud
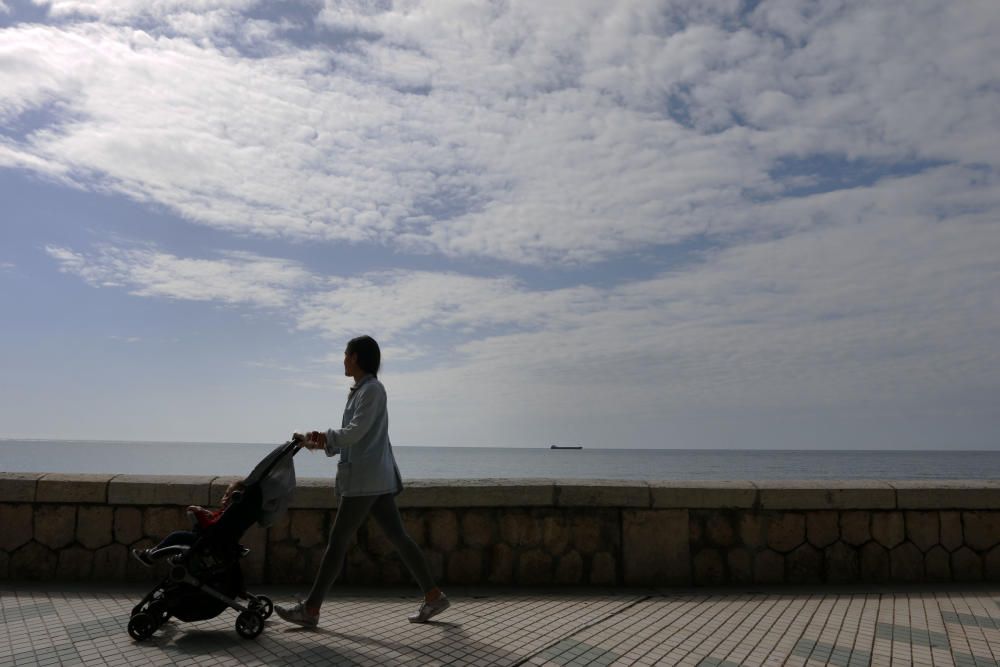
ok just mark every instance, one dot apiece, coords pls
pixel 530 132
pixel 236 278
pixel 890 300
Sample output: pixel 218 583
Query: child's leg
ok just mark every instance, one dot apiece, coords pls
pixel 178 537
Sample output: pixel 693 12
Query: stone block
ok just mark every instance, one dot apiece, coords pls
pixel 825 495
pixel 307 527
pixel 874 563
pixel 284 563
pixel 17 526
pixel 501 565
pixel 520 529
pixel 655 547
pixel 159 490
pixel 822 528
pixel 478 528
pixel 601 493
pixel 841 563
pixel 555 534
pixel 594 530
pixel 740 562
pixel 74 564
pixel 937 564
pixel 719 530
pixel 569 569
pixel 18 487
pixel 981 529
pixel 951 530
pixel 393 573
pixel 991 565
pixel 93 525
pixel 534 568
pixel 444 530
pixel 752 531
pixel 855 527
pixel 922 529
pixel 416 526
pixel 465 566
pixel 281 529
pixel 966 565
pixel 314 493
pixel 804 565
pixel 32 562
pixel 55 525
pixel 603 569
pixel 708 568
pixel 888 529
pixel 768 567
pixel 696 530
pixel 60 488
pixel 109 563
pixel 906 563
pixel 702 495
pixel 128 524
pixel 478 493
pixel 361 570
pixel 786 531
pixel 947 494
pixel 158 522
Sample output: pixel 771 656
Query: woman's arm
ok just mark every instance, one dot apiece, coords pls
pixel 369 406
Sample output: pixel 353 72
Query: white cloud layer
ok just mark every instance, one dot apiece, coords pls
pixel 839 159
pixel 808 320
pixel 526 131
pixel 237 278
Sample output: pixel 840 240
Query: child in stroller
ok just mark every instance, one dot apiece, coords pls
pixel 205 576
pixel 201 520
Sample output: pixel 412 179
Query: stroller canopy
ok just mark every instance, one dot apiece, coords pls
pixel 275 476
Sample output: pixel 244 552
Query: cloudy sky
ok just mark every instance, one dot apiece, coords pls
pixel 633 224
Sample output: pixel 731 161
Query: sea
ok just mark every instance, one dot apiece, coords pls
pixel 419 462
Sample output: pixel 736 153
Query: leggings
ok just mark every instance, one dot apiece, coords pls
pixel 350 515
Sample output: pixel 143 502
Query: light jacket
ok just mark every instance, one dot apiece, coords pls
pixel 367 466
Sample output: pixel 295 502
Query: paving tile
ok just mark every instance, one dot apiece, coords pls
pixel 81 626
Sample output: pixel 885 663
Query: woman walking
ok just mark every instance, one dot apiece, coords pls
pixel 367 483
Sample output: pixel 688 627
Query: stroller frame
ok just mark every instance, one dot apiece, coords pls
pixel 207 559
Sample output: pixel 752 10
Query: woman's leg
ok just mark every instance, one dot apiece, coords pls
pixel 386 514
pixel 351 513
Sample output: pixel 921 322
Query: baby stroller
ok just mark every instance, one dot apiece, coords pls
pixel 205 577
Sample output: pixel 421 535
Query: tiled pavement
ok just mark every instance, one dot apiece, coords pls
pixel 53 625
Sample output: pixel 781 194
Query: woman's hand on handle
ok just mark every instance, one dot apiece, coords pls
pixel 311 440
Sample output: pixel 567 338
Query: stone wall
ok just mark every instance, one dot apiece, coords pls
pixel 534 532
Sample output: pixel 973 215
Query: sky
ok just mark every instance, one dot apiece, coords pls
pixel 715 224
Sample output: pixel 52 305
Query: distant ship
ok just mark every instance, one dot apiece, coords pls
pixel 566 447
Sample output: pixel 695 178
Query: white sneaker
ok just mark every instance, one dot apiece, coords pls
pixel 297 614
pixel 429 610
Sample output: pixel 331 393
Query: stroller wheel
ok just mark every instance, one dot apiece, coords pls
pixel 249 624
pixel 263 606
pixel 141 626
